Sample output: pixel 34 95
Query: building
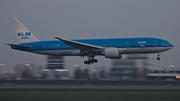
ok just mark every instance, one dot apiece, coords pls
pixel 55 62
pixel 163 75
pixel 135 66
pixel 55 68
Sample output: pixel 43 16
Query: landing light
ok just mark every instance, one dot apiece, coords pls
pixel 46 70
pixel 172 66
pixel 2 64
pixel 95 70
pixel 27 64
pixel 60 70
pixel 177 76
pixel 75 65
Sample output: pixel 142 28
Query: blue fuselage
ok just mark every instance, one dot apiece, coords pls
pixel 124 45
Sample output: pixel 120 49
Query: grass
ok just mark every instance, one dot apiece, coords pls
pixel 89 95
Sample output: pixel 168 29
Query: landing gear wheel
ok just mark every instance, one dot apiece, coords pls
pixel 158 58
pixel 86 62
pixel 91 61
pixel 95 60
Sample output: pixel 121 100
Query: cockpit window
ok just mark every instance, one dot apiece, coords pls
pixel 167 42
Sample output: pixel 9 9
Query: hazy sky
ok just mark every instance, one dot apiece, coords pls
pixel 89 19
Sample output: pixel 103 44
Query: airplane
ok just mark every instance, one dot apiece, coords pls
pixel 112 48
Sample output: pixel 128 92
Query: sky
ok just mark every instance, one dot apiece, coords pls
pixel 74 19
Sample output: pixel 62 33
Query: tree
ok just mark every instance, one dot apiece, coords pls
pixel 86 73
pixel 26 74
pixel 56 75
pixel 77 73
pixel 102 74
pixel 44 76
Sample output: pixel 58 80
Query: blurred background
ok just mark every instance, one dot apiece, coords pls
pixel 132 67
pixel 90 19
pixel 136 77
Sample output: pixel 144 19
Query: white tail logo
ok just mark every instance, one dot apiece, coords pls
pixel 24 35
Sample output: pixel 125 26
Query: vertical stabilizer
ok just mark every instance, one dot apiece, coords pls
pixel 23 34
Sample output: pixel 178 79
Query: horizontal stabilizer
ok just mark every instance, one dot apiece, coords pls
pixel 21 46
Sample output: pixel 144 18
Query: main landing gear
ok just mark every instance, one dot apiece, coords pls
pixel 91 61
pixel 158 58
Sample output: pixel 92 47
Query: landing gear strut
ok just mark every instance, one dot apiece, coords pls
pixel 158 58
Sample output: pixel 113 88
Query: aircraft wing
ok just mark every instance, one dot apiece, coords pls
pixel 79 45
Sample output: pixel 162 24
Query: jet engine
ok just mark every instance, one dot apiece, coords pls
pixel 112 53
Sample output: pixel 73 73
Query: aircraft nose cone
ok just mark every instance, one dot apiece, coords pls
pixel 170 46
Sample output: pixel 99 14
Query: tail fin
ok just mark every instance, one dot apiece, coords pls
pixel 23 34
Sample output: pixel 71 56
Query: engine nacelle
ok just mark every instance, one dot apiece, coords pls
pixel 112 53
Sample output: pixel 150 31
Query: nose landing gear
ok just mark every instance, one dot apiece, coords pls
pixel 158 58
